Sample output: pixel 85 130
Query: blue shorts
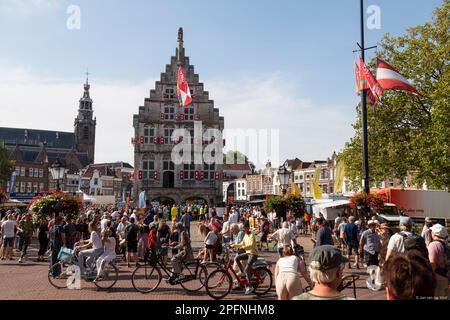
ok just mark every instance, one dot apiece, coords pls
pixel 8 242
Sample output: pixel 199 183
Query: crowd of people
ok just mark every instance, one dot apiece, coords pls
pixel 102 234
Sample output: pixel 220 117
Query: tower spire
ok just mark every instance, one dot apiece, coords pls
pixel 87 76
pixel 180 51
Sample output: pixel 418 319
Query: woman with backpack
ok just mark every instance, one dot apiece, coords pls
pixel 438 255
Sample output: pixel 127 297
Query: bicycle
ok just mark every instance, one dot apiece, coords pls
pixel 219 282
pixel 147 277
pixel 69 272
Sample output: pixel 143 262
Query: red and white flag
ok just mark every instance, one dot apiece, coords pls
pixel 368 81
pixel 184 94
pixel 372 83
pixel 390 79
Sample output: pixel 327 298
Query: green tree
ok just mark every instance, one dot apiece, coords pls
pixel 238 157
pixel 409 134
pixel 6 165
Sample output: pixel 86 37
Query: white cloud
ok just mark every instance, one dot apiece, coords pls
pixel 32 102
pixel 265 101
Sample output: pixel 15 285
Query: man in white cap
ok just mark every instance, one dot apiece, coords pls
pixel 438 253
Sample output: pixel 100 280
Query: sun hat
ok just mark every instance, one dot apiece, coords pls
pixel 439 230
pixel 326 257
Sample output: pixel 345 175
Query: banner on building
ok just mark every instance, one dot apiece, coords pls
pixel 142 199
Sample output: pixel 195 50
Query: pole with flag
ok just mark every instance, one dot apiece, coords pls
pixel 183 92
pixel 365 151
pixel 12 182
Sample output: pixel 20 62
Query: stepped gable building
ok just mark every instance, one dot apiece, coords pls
pixel 155 173
pixel 34 150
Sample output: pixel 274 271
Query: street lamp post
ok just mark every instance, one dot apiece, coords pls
pixel 284 175
pixel 57 170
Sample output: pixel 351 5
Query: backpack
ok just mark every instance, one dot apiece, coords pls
pixel 131 232
pixel 266 227
pixel 445 272
pixel 415 242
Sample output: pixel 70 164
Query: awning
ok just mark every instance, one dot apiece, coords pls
pixel 332 204
pixel 329 210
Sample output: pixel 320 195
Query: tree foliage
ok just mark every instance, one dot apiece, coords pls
pixel 409 134
pixel 237 157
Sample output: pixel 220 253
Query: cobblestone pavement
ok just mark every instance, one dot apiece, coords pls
pixel 28 281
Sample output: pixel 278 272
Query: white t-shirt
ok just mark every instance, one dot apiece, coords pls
pixel 288 264
pixel 284 236
pixel 396 242
pixel 103 224
pixel 110 246
pixel 226 228
pixel 233 218
pixel 8 228
pixel 211 238
pixel 121 229
pixel 96 241
pixel 133 216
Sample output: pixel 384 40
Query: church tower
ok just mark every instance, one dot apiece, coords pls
pixel 85 125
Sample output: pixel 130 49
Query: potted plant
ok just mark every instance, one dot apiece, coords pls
pixel 43 207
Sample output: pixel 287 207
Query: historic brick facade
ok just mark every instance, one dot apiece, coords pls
pixel 155 173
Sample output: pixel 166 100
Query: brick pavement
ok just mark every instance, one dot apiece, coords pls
pixel 28 281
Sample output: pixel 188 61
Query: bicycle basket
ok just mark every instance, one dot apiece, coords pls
pixel 65 255
pixel 151 257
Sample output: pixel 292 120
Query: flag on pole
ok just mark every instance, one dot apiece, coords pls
pixel 359 82
pixel 12 182
pixel 295 190
pixel 184 94
pixel 390 79
pixel 366 80
pixel 339 180
pixel 372 82
pixel 142 199
pixel 317 190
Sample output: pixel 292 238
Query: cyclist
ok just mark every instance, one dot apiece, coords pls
pixel 94 244
pixel 248 244
pixel 184 253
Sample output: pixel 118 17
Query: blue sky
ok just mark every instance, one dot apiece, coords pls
pixel 301 49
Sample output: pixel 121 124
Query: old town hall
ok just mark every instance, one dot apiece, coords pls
pixel 155 172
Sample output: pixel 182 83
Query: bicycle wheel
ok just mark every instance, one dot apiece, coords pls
pixel 108 278
pixel 146 278
pixel 218 284
pixel 261 280
pixel 67 275
pixel 195 276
